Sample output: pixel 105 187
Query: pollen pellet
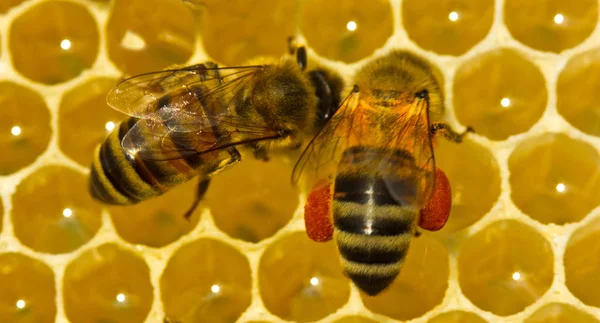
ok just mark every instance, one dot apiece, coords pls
pixel 436 213
pixel 317 213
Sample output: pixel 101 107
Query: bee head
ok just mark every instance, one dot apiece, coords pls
pixel 283 97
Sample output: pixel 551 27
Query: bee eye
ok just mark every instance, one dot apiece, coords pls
pixel 422 94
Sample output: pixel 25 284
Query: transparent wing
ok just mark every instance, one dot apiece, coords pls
pixel 163 94
pixel 400 133
pixel 412 135
pixel 320 158
pixel 154 140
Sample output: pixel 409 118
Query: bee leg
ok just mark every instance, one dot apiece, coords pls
pixel 200 191
pixel 301 57
pixel 291 42
pixel 300 52
pixel 446 130
pixel 204 70
pixel 417 233
pixel 215 71
pixel 260 152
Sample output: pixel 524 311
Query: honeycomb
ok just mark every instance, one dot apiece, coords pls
pixel 523 238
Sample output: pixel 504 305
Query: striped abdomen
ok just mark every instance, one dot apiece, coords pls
pixel 372 225
pixel 119 178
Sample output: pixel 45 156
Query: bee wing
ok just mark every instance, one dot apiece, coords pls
pixel 320 158
pixel 155 140
pixel 163 94
pixel 412 134
pixel 358 124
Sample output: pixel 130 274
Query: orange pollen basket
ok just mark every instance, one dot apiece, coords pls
pixel 317 213
pixel 436 213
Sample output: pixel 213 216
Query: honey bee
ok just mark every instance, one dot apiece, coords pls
pixel 371 169
pixel 195 121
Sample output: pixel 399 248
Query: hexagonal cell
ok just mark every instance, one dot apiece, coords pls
pixel 551 25
pixel 447 27
pixel 24 127
pixel 576 92
pixel 301 280
pixel 582 263
pixel 544 188
pixel 474 179
pixel 505 267
pixel 558 312
pixel 28 292
pixel 457 317
pixel 8 4
pixel 107 284
pixel 83 111
pixel 354 319
pixel 1 213
pixel 421 285
pixel 253 200
pixel 53 212
pixel 157 221
pixel 229 32
pixel 206 281
pixel 347 31
pixel 147 35
pixel 54 41
pixel 499 93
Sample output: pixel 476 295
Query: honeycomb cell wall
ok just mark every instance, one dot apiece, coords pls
pixel 522 241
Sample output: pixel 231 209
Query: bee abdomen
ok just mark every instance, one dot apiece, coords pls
pixel 371 279
pixel 372 262
pixel 118 178
pixel 375 221
pixel 374 190
pixel 373 241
